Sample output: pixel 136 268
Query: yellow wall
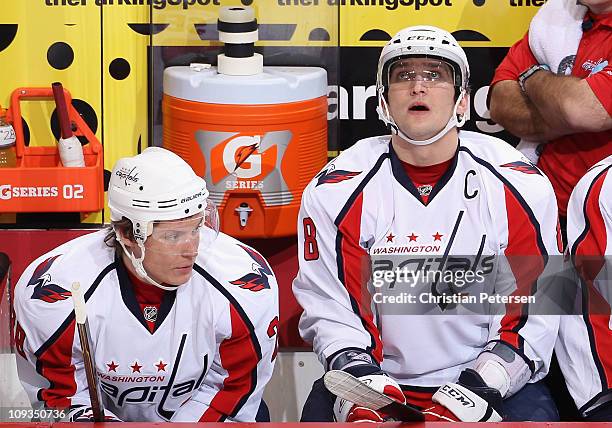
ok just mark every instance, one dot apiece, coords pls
pixel 108 36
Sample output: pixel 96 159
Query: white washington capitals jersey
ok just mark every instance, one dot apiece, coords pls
pixel 584 347
pixel 209 357
pixel 362 209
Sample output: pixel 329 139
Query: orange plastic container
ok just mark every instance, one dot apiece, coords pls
pixel 39 182
pixel 257 158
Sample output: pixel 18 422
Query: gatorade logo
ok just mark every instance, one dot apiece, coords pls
pixel 241 156
pixel 239 161
pixel 8 192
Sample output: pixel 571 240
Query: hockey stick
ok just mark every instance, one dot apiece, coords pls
pixel 5 264
pixel 5 284
pixel 349 388
pixel 80 315
pixel 70 149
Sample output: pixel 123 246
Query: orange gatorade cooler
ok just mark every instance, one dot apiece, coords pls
pixel 256 134
pixel 256 139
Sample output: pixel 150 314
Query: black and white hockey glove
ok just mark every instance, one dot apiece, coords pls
pixel 345 411
pixel 468 400
pixel 361 365
pixel 80 413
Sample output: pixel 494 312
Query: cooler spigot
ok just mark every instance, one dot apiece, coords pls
pixel 243 212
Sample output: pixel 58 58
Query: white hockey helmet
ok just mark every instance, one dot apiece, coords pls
pixel 152 186
pixel 157 185
pixel 422 41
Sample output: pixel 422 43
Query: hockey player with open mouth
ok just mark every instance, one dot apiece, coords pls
pixel 439 196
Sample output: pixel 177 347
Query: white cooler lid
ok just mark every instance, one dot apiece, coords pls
pixel 276 85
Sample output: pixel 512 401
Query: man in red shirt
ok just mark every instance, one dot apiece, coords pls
pixel 567 109
pixel 570 113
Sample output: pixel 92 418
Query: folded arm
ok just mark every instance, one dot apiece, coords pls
pixel 568 103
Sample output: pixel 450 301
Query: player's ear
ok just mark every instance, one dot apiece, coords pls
pixel 463 104
pixel 124 234
pixel 130 244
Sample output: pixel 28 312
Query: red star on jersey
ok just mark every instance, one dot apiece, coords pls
pixel 112 367
pixel 413 237
pixel 136 367
pixel 390 237
pixel 161 366
pixel 437 236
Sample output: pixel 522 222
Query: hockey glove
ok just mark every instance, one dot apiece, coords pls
pixel 85 414
pixel 602 413
pixel 468 400
pixel 345 411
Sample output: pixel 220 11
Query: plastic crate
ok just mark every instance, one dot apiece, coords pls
pixel 39 182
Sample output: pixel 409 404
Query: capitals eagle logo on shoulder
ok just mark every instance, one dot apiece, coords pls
pixel 524 167
pixel 332 175
pixel 43 288
pixel 258 280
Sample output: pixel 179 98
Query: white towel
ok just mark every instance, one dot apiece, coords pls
pixel 529 149
pixel 555 33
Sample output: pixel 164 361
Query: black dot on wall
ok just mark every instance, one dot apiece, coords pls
pixel 247 2
pixel 107 177
pixel 26 132
pixel 85 111
pixel 375 35
pixel 119 69
pixel 7 35
pixel 479 2
pixel 148 29
pixel 60 55
pixel 319 34
pixel 469 36
pixel 88 114
pixel 54 123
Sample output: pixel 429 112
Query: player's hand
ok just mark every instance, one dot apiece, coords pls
pixel 86 415
pixel 468 400
pixel 439 413
pixel 107 418
pixel 345 411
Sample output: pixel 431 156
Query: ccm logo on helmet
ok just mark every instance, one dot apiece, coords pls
pixel 420 38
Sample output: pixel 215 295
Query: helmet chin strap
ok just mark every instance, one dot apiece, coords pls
pixel 137 263
pixel 385 116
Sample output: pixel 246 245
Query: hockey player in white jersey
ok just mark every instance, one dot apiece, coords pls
pixel 435 195
pixel 182 318
pixel 585 341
